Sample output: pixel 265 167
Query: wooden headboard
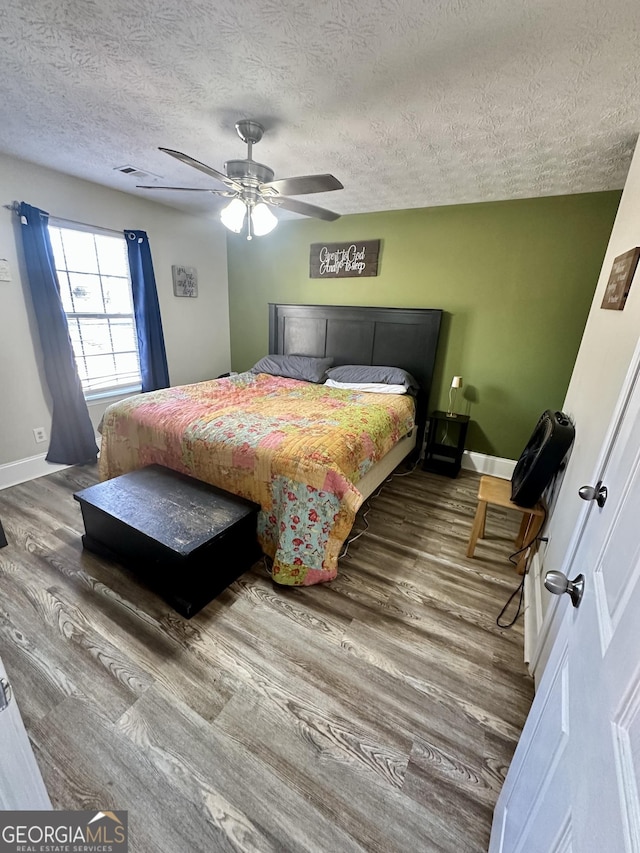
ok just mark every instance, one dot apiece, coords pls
pixel 400 337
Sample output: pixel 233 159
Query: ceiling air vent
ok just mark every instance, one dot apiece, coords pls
pixel 138 174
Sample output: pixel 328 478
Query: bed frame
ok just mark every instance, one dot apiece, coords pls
pixel 400 337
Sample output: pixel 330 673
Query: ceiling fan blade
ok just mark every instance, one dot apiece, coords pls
pixel 302 207
pixel 186 189
pixel 303 185
pixel 208 170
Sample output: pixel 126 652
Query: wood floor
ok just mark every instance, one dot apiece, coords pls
pixel 377 713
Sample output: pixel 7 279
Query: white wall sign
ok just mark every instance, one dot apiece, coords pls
pixel 185 281
pixel 5 272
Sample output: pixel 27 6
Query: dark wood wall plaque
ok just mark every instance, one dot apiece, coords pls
pixel 344 260
pixel 619 284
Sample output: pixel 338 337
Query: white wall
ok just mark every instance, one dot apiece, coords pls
pixel 196 330
pixel 607 346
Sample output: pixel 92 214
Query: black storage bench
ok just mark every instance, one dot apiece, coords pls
pixel 188 540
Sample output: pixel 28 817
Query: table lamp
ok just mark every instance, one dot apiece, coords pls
pixel 456 383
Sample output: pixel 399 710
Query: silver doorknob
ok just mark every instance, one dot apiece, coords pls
pixel 558 583
pixel 597 493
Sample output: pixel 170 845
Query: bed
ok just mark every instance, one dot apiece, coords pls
pixel 308 454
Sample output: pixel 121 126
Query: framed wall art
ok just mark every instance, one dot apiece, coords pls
pixel 185 281
pixel 357 259
pixel 619 284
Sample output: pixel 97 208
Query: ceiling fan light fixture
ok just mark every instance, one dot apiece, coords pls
pixel 262 219
pixel 252 188
pixel 233 215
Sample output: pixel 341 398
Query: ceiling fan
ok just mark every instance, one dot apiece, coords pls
pixel 252 189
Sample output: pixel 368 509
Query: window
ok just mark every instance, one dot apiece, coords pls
pixel 95 288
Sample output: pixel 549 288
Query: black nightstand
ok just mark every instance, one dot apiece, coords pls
pixel 445 443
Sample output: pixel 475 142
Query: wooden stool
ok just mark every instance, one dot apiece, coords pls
pixel 497 491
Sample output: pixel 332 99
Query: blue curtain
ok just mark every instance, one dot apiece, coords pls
pixel 153 358
pixel 72 436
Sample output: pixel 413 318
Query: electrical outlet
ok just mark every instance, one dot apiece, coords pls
pixel 40 434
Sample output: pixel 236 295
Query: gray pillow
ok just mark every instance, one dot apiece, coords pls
pixel 373 373
pixel 307 368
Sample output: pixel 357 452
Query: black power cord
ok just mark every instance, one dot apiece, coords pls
pixel 367 506
pixel 520 588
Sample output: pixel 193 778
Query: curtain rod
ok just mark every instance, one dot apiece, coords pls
pixel 15 208
pixel 85 225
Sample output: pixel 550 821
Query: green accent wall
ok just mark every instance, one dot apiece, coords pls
pixel 514 278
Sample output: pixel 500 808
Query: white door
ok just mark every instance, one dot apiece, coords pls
pixel 21 785
pixel 574 780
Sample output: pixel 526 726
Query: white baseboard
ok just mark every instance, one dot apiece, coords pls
pixel 533 615
pixel 13 473
pixel 483 464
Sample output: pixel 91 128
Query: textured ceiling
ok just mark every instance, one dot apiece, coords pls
pixel 410 103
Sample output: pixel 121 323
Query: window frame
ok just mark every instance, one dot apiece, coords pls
pixel 95 230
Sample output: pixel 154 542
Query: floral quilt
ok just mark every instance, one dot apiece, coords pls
pixel 295 448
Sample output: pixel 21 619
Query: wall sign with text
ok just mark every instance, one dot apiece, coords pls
pixel 344 260
pixel 619 284
pixel 185 281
